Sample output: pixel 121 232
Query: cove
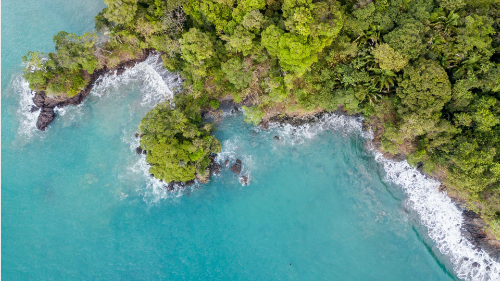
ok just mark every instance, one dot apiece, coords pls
pixel 78 204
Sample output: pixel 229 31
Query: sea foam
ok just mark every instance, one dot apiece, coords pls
pixel 27 119
pixel 442 218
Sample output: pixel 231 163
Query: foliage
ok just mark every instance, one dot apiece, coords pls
pixel 426 72
pixel 178 143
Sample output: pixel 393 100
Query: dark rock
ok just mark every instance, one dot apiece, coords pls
pixel 244 180
pixel 136 135
pixel 226 163
pixel 138 150
pixel 34 108
pixel 120 70
pixel 144 152
pixel 39 99
pixel 276 138
pixel 47 104
pixel 45 117
pixel 473 230
pixel 236 168
pixel 475 264
pixel 214 168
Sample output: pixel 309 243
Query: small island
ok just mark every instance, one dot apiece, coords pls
pixel 424 74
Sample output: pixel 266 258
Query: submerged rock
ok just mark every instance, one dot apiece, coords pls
pixel 276 138
pixel 244 180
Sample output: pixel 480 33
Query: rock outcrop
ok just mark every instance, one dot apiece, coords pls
pixel 48 103
pixel 236 168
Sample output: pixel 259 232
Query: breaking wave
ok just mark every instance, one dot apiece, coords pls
pixel 442 218
pixel 26 116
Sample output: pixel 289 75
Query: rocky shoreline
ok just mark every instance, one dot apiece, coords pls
pixel 473 225
pixel 46 104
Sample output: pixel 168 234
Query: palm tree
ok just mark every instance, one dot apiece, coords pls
pixel 468 66
pixel 448 22
pixel 383 79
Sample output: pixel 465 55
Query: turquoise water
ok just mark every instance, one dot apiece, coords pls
pixel 76 203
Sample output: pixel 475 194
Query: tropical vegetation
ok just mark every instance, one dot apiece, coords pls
pixel 424 73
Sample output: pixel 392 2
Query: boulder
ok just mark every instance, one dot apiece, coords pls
pixel 236 168
pixel 39 99
pixel 138 150
pixel 45 117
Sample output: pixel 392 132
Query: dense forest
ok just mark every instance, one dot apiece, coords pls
pixel 424 73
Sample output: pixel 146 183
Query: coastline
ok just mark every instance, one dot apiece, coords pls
pixel 46 104
pixel 473 225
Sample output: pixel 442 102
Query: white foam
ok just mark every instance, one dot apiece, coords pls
pixel 27 120
pixel 294 135
pixel 155 82
pixel 230 151
pixel 437 212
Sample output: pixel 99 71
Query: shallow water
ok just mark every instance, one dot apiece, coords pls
pixel 77 202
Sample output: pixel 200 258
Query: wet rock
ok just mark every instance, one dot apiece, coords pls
pixel 47 104
pixel 120 70
pixel 170 187
pixel 144 152
pixel 244 180
pixel 34 108
pixel 276 138
pixel 226 163
pixel 136 135
pixel 138 150
pixel 39 99
pixel 236 168
pixel 475 264
pixel 214 168
pixel 45 117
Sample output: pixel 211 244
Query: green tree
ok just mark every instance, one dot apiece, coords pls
pixel 179 145
pixel 120 11
pixel 388 58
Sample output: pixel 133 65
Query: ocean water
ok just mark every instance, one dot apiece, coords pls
pixel 78 204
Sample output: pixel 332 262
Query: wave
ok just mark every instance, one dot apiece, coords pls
pixel 27 118
pixel 155 82
pixel 442 218
pixel 230 151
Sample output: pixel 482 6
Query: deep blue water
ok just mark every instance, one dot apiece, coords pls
pixel 77 205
